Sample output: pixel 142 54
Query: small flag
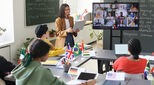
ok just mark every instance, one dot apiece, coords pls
pixel 152 53
pixel 22 55
pixel 76 50
pixel 152 70
pixel 111 75
pixel 147 69
pixel 73 71
pixel 82 46
pixel 69 54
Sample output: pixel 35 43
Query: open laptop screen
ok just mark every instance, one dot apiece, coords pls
pixel 121 49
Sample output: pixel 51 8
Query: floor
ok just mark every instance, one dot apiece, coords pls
pixel 93 63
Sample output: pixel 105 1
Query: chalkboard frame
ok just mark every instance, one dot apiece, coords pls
pixel 49 19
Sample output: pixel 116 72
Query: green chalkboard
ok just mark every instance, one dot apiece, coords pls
pixel 41 11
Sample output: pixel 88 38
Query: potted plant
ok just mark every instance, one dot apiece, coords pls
pixel 52 33
pixel 99 36
pixel 3 30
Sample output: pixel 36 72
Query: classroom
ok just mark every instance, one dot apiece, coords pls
pixel 76 42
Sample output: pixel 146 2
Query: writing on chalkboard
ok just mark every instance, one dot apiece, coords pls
pixel 41 11
pixel 146 35
pixel 129 0
pixel 130 34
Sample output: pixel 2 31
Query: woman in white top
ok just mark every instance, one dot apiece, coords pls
pixel 64 27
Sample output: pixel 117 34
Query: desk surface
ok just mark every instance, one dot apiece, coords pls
pixel 100 54
pixel 110 55
pixel 59 72
pixel 105 55
pixel 76 63
pixel 66 77
pixel 129 82
pixel 100 80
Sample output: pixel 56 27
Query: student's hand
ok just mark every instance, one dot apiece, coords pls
pixel 70 30
pixel 52 48
pixel 77 30
pixel 91 82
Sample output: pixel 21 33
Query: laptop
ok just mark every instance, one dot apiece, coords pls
pixel 121 50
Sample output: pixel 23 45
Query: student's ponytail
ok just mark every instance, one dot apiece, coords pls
pixel 134 47
pixel 136 56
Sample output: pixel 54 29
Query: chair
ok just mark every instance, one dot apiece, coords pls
pixel 139 76
pixel 2 82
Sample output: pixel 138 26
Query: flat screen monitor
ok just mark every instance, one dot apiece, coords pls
pixel 116 16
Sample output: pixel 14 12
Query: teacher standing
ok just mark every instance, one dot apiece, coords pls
pixel 64 28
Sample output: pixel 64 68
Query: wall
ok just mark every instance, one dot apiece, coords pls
pixel 6 22
pixel 21 31
pixel 78 6
pixel 84 4
pixel 73 5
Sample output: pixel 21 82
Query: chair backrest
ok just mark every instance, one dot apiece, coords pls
pixel 2 82
pixel 135 76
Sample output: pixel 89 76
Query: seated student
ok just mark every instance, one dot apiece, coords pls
pixel 132 64
pixel 41 32
pixel 5 68
pixel 31 72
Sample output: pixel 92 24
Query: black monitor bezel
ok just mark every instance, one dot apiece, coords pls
pixel 121 28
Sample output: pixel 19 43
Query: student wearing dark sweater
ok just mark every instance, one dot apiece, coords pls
pixel 5 68
pixel 31 72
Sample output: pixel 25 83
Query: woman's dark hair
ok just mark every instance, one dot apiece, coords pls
pixel 134 47
pixel 61 13
pixel 39 48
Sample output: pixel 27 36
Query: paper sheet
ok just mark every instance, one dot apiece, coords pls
pixel 50 62
pixel 78 25
pixel 115 76
pixel 148 57
pixel 74 82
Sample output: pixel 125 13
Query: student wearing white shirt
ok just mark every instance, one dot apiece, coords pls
pixel 110 20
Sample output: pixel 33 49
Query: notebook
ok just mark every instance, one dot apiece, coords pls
pixel 79 25
pixel 50 62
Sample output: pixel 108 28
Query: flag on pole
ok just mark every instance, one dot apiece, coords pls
pixel 69 54
pixel 22 55
pixel 82 47
pixel 76 50
pixel 147 69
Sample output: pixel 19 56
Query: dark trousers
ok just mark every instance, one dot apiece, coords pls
pixel 9 82
pixel 69 40
pixel 108 67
